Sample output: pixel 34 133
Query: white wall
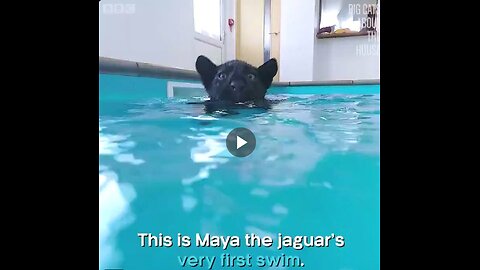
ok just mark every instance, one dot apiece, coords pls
pixel 161 32
pixel 305 58
pixel 230 9
pixel 350 58
pixel 297 40
pixel 156 32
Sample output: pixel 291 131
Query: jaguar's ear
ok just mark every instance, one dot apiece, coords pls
pixel 207 70
pixel 267 71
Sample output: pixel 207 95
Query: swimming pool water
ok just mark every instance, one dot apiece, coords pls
pixel 164 168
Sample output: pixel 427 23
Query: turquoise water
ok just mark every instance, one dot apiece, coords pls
pixel 164 168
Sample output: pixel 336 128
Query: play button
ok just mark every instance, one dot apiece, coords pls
pixel 241 142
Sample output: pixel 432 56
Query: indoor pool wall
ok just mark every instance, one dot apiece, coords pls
pixel 126 80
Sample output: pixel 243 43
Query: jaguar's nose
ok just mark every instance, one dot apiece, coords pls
pixel 237 85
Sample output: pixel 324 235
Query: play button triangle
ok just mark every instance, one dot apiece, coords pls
pixel 240 142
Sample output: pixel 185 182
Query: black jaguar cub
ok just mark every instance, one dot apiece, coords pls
pixel 236 81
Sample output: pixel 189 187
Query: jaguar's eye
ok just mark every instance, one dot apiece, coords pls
pixel 222 76
pixel 251 76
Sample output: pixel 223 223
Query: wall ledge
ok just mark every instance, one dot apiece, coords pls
pixel 139 69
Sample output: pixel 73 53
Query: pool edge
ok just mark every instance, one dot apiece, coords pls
pixel 138 69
